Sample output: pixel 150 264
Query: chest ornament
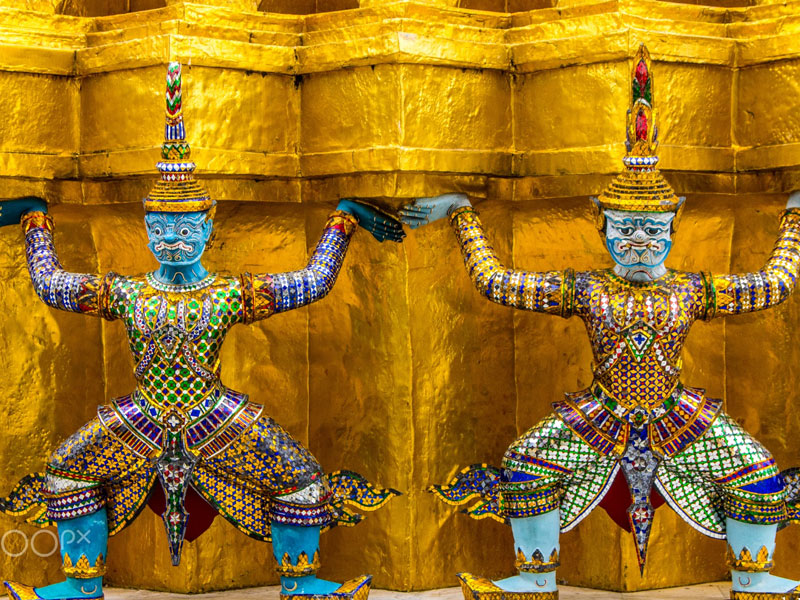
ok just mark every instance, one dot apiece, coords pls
pixel 639 338
pixel 171 332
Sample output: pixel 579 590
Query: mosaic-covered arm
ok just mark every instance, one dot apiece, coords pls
pixel 749 292
pixel 269 293
pixel 75 292
pixel 549 292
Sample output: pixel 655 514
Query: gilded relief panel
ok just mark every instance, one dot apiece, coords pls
pixel 347 114
pixel 106 128
pixel 780 124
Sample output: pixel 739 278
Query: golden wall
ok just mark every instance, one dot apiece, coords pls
pixel 403 373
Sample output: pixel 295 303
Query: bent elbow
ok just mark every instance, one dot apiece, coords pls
pixel 483 284
pixel 43 286
pixel 324 282
pixel 784 292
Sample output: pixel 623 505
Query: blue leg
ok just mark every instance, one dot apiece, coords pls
pixel 296 549
pixel 749 570
pixel 535 541
pixel 82 537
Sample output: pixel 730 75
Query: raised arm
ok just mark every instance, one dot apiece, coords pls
pixel 549 292
pixel 269 293
pixel 75 292
pixel 749 292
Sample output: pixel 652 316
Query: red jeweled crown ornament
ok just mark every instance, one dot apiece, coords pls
pixel 640 187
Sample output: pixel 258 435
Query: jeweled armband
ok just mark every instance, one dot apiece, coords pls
pixel 344 221
pixel 709 296
pixel 34 219
pixel 258 298
pixel 463 210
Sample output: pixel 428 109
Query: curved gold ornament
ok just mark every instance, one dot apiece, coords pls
pixel 83 569
pixel 745 562
pixel 537 562
pixel 299 569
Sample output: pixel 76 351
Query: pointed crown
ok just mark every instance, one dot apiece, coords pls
pixel 640 187
pixel 177 190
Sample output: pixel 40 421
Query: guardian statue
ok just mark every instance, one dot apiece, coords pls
pixel 181 434
pixel 637 420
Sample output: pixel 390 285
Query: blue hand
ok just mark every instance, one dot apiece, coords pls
pixel 379 224
pixel 427 210
pixel 11 211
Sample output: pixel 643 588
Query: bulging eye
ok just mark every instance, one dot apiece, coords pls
pixel 652 230
pixel 156 230
pixel 184 232
pixel 625 230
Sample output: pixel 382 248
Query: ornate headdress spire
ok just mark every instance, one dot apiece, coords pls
pixel 640 187
pixel 177 190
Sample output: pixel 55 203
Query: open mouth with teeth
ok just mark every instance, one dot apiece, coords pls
pixel 175 252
